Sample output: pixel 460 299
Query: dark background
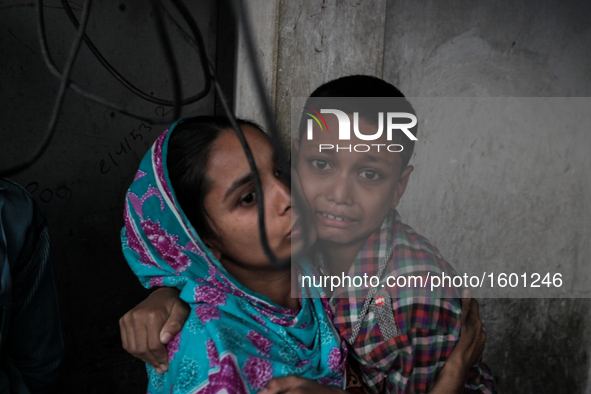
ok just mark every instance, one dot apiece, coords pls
pixel 81 180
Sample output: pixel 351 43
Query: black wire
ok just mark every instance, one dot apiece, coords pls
pixel 90 96
pixel 209 73
pixel 166 46
pixel 249 157
pixel 260 88
pixel 257 181
pixel 128 84
pixel 186 36
pixel 61 94
pixel 242 15
pixel 65 79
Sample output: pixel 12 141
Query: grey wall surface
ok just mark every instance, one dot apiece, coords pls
pixel 81 179
pixel 491 199
pixel 494 198
pixel 319 41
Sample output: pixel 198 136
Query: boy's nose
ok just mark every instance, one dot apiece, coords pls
pixel 339 191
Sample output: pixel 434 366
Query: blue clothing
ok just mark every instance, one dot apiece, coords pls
pixel 31 344
pixel 235 339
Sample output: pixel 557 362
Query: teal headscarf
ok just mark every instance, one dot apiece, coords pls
pixel 235 339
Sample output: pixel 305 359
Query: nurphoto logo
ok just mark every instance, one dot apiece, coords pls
pixel 345 129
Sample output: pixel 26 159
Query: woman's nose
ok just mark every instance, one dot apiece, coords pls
pixel 282 197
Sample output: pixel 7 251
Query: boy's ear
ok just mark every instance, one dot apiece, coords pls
pixel 401 186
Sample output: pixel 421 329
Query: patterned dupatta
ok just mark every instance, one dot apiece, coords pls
pixel 235 339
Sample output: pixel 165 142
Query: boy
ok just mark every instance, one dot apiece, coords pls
pixel 353 187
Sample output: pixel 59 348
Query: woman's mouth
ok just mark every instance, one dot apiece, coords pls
pixel 296 229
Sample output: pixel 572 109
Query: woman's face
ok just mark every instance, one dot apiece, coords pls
pixel 231 203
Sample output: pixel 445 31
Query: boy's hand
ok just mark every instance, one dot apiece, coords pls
pixel 296 385
pixel 147 328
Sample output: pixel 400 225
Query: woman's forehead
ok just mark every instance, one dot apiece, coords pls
pixel 227 159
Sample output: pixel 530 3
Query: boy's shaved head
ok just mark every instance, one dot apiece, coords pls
pixel 357 86
pixel 351 179
pixel 360 86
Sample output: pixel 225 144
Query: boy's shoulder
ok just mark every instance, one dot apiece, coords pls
pixel 413 252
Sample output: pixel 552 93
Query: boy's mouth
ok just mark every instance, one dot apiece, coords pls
pixel 334 220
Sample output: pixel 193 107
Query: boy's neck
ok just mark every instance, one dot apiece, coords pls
pixel 338 258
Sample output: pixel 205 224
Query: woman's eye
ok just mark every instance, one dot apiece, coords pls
pixel 370 175
pixel 279 172
pixel 248 199
pixel 320 164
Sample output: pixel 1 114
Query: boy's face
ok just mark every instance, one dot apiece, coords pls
pixel 349 193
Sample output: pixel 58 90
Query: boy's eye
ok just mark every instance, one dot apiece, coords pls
pixel 371 175
pixel 248 199
pixel 321 164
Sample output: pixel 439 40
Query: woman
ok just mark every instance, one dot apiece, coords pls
pixel 191 223
pixel 243 317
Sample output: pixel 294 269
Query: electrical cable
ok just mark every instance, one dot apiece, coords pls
pixel 90 96
pixel 59 100
pixel 129 85
pixel 186 36
pixel 256 178
pixel 167 47
pixel 241 14
pixel 260 88
pixel 233 121
pixel 65 81
pixel 249 157
pixel 198 43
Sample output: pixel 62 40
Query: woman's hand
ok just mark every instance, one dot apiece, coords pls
pixel 147 328
pixel 472 337
pixel 467 352
pixel 296 385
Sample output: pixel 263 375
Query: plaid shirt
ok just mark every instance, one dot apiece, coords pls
pixel 402 343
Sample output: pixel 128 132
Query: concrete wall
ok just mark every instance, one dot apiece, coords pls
pixel 264 18
pixel 505 199
pixel 307 43
pixel 488 202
